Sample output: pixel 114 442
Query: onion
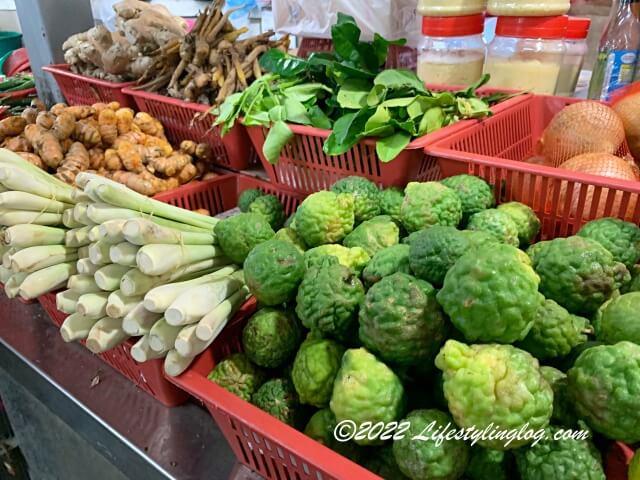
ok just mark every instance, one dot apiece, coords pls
pixel 629 111
pixel 584 127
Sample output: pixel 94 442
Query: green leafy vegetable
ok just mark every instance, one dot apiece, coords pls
pixel 279 135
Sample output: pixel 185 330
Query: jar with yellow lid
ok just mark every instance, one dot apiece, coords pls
pixel 527 53
pixel 528 8
pixel 449 8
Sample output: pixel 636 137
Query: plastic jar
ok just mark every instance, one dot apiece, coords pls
pixel 449 8
pixel 527 53
pixel 576 48
pixel 452 51
pixel 528 8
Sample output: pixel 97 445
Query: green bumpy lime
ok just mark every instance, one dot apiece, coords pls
pixel 374 235
pixel 604 385
pixel 488 464
pixel 321 427
pixel 555 332
pixel 355 258
pixel 429 204
pixel 272 272
pixel 497 223
pixel 476 194
pixel 270 207
pixel 401 321
pixel 240 234
pixel 314 370
pixel 386 262
pixel 525 219
pixel 495 386
pixel 366 196
pixel 238 375
pixel 290 235
pixel 578 273
pixel 271 337
pixel 621 238
pixel 247 197
pixel 618 319
pixel 278 398
pixel 427 459
pixel 563 412
pixel 366 390
pixel 434 251
pixel 560 459
pixel 391 202
pixel 329 298
pixel 325 217
pixel 491 295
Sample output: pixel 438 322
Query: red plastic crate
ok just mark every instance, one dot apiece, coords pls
pixel 303 166
pixel 81 90
pixel 191 121
pixel 618 459
pixel 495 149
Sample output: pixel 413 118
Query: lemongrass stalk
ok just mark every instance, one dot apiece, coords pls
pixel 4 189
pixel 212 323
pixel 15 179
pixel 77 327
pixel 163 336
pixel 77 237
pixel 36 258
pixel 6 257
pixel 139 320
pixel 5 274
pixel 196 302
pixel 90 191
pixel 175 364
pixel 111 231
pixel 10 158
pixel 142 352
pixel 46 280
pixel 106 334
pixel 124 254
pixel 87 267
pixel 28 201
pixel 83 284
pixel 69 221
pixel 23 236
pixel 11 218
pixel 93 304
pixel 103 212
pixel 83 252
pixel 185 339
pixel 12 287
pixel 108 277
pixel 161 259
pixel 67 301
pixel 141 231
pixel 79 196
pixel 119 305
pixel 160 298
pixel 80 214
pixel 94 234
pixel 99 253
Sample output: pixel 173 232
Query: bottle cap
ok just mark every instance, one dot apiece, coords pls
pixel 453 26
pixel 532 27
pixel 578 28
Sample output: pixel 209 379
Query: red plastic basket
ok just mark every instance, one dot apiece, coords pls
pixel 496 148
pixel 191 121
pixel 81 90
pixel 303 166
pixel 618 459
pixel 17 62
pixel 398 57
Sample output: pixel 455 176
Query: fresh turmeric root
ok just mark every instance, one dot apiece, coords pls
pixel 58 108
pixel 131 157
pixel 169 166
pixel 108 126
pixel 187 174
pixel 148 124
pixel 18 144
pixel 112 161
pixel 157 147
pixel 81 111
pixel 189 147
pixel 134 181
pixel 87 134
pixel 64 125
pixel 30 114
pixel 96 158
pixel 77 160
pixel 124 118
pixel 45 120
pixel 32 158
pixel 12 126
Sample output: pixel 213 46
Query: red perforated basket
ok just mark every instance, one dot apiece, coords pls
pixel 495 149
pixel 191 121
pixel 81 90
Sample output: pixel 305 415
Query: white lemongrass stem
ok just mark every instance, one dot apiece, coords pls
pixel 80 214
pixel 36 258
pixel 160 259
pixel 175 364
pixel 99 253
pixel 16 179
pixel 160 298
pixel 86 266
pixel 108 277
pixel 12 159
pixel 77 237
pixel 69 221
pixel 90 190
pixel 22 236
pixel 196 302
pixel 79 196
pixel 83 284
pixel 66 301
pixel 141 231
pixel 142 351
pixel 119 305
pixel 162 336
pixel 94 234
pixel 6 257
pixel 12 287
pixel 5 274
pixel 11 218
pixel 83 252
pixel 139 321
pixel 212 323
pixel 31 202
pixel 4 189
pixel 103 212
pixel 46 280
pixel 77 327
pixel 106 334
pixel 124 254
pixel 111 231
pixel 93 304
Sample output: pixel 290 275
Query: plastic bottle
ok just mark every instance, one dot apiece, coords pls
pixel 618 52
pixel 575 50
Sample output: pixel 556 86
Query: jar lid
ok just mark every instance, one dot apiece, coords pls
pixel 532 27
pixel 578 28
pixel 453 26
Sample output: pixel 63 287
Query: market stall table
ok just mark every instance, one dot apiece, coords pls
pixel 75 417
